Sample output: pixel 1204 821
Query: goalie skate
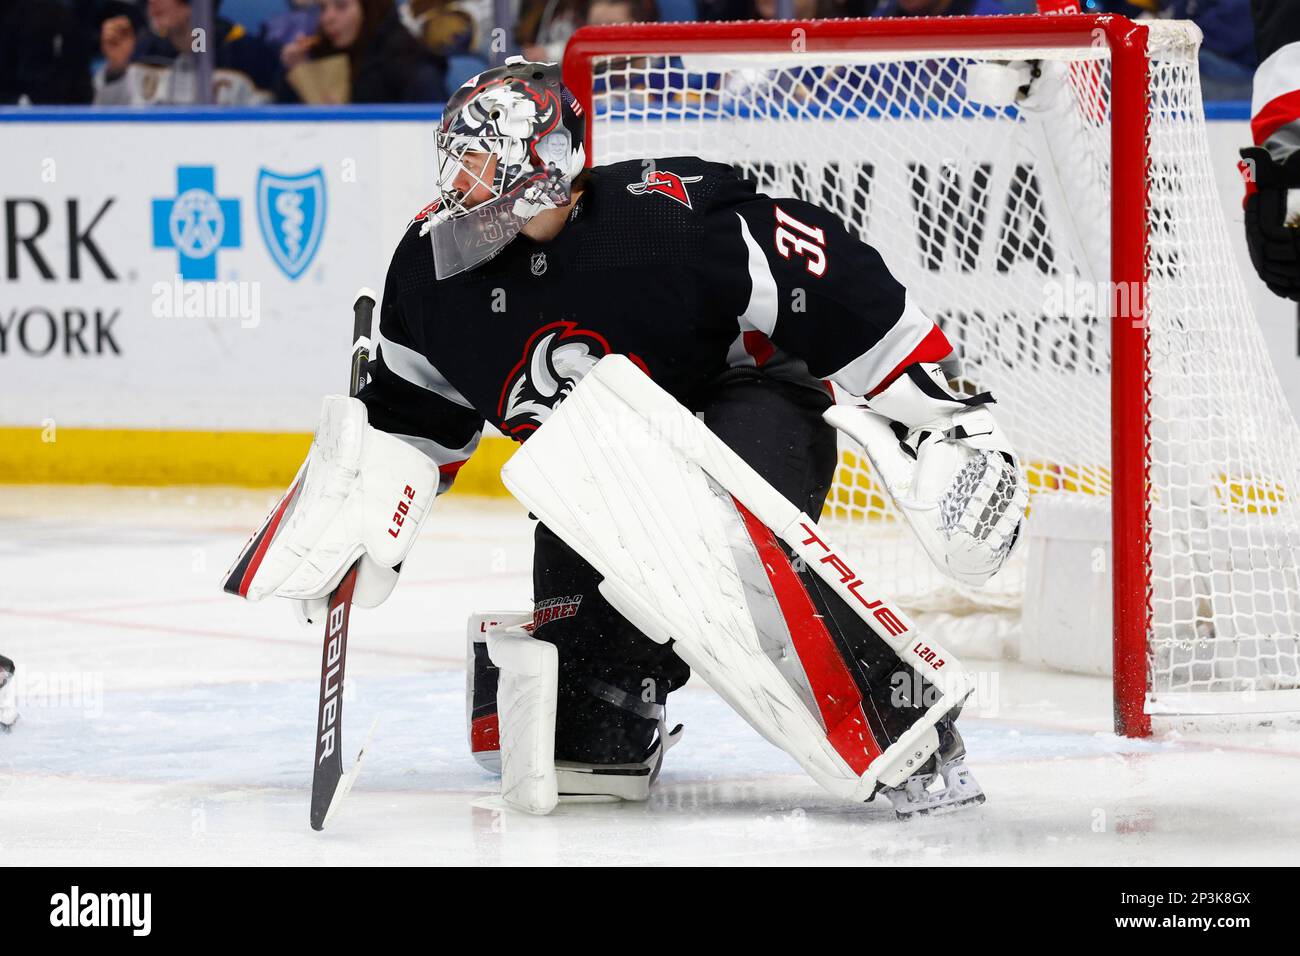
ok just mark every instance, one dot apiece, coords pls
pixel 574 782
pixel 584 782
pixel 943 785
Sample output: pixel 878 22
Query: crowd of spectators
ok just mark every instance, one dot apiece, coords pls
pixel 143 52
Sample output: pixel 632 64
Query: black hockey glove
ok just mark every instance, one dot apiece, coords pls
pixel 1274 246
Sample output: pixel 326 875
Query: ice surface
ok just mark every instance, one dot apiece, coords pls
pixel 166 722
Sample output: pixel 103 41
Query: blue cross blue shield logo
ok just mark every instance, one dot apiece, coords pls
pixel 291 212
pixel 196 223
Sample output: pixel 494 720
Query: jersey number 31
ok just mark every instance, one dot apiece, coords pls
pixel 801 239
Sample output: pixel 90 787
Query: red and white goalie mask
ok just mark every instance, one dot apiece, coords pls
pixel 509 147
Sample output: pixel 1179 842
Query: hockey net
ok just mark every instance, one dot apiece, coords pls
pixel 979 161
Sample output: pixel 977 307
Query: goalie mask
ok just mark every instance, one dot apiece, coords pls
pixel 509 146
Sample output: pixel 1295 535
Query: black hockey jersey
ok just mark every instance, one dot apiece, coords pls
pixel 676 263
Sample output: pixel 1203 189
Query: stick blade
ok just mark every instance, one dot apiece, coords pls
pixel 349 778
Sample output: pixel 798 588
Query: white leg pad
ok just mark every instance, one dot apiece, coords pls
pixel 527 691
pixel 642 490
pixel 481 719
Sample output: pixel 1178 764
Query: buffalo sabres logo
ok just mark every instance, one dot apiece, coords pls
pixel 291 212
pixel 665 184
pixel 555 360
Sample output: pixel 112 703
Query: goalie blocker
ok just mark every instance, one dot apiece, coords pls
pixel 694 546
pixel 361 494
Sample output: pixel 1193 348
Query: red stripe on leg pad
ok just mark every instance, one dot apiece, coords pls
pixel 837 696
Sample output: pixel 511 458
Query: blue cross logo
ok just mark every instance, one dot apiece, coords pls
pixel 196 223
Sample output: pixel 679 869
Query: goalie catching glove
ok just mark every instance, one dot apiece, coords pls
pixel 948 468
pixel 361 493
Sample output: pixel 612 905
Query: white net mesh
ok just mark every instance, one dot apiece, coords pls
pixel 993 208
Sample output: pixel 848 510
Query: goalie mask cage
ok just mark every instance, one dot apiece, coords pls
pixel 1042 185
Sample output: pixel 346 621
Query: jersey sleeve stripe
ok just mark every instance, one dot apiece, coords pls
pixel 1274 103
pixel 1276 127
pixel 894 351
pixel 738 355
pixel 760 313
pixel 759 346
pixel 409 365
pixel 935 347
pixel 448 460
pixel 447 475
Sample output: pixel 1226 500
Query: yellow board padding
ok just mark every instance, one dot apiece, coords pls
pixel 858 494
pixel 1080 479
pixel 856 491
pixel 1249 495
pixel 121 456
pixel 481 475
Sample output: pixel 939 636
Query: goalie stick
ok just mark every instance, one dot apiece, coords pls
pixel 328 784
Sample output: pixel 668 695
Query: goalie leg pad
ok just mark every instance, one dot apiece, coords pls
pixel 644 492
pixel 528 677
pixel 481 678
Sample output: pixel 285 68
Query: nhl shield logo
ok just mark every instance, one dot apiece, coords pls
pixel 539 263
pixel 291 212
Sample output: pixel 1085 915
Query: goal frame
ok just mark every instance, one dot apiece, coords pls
pixel 1130 386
